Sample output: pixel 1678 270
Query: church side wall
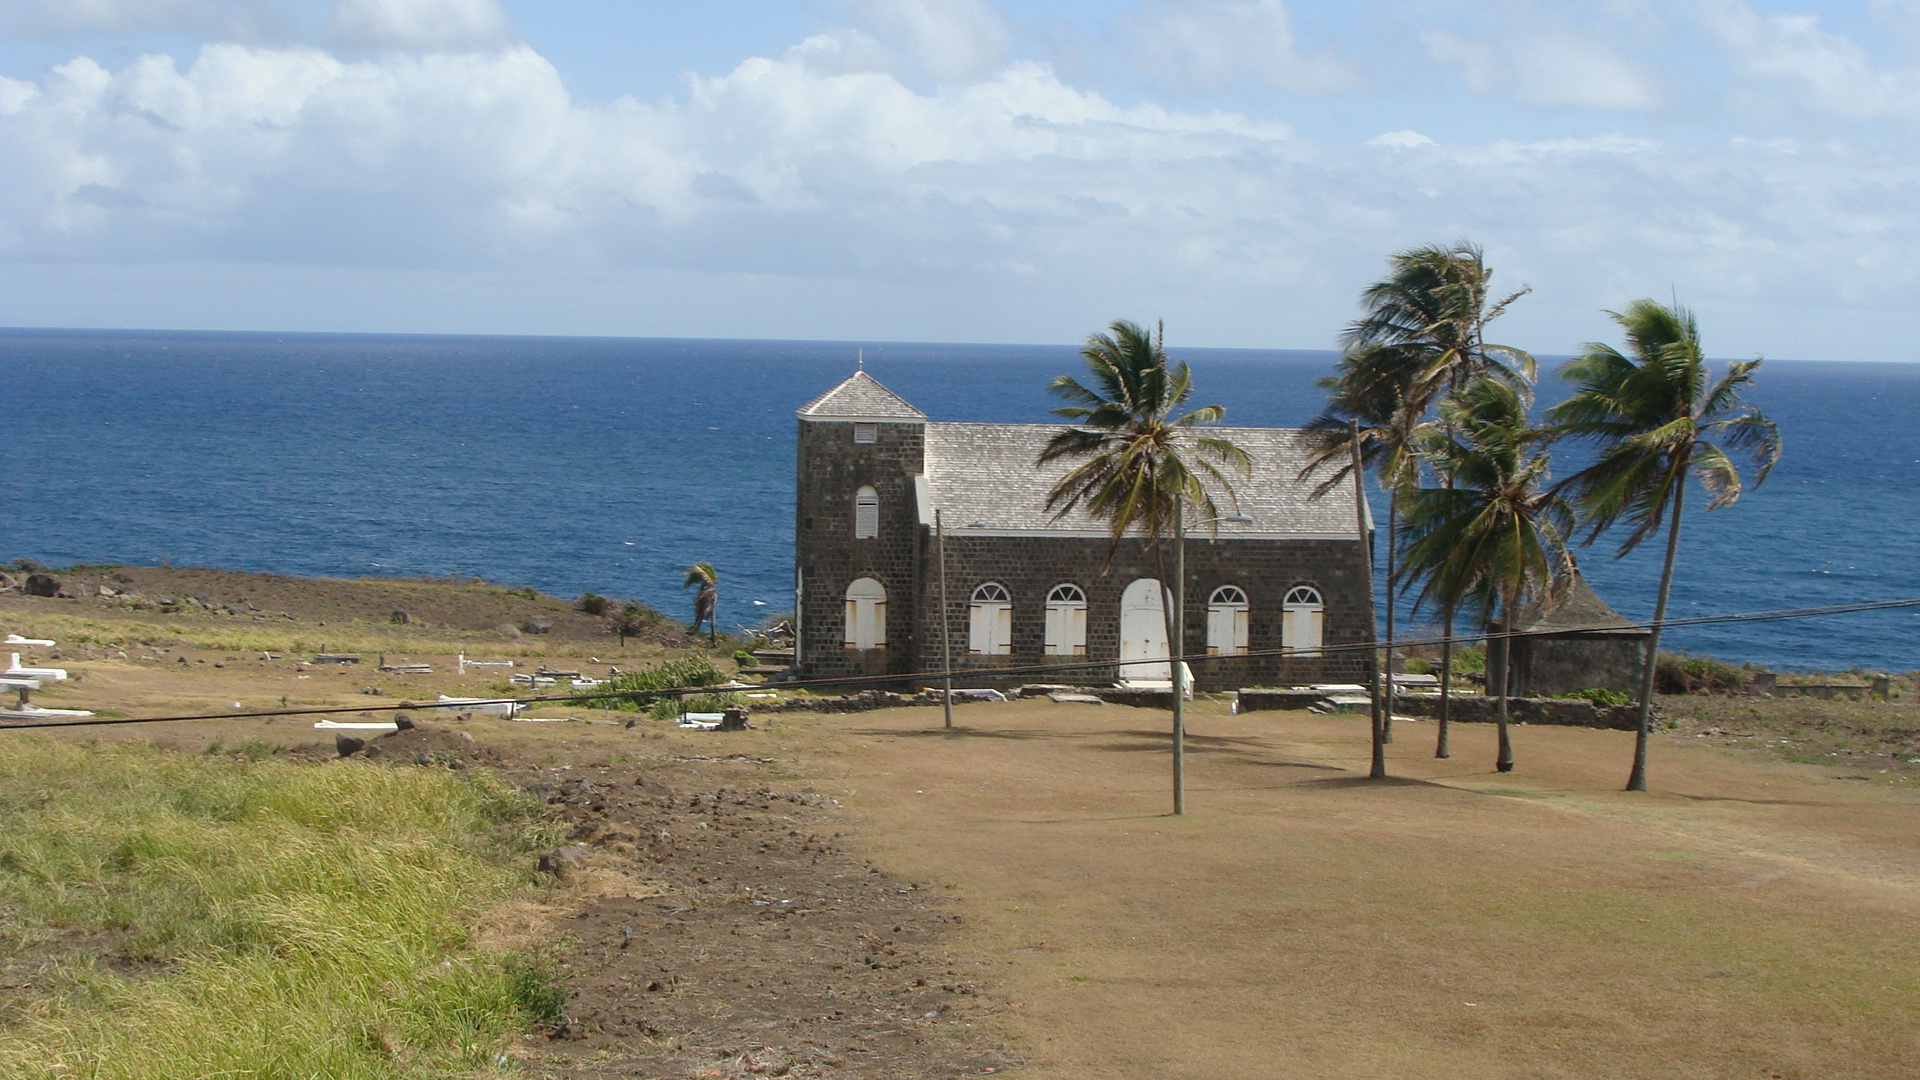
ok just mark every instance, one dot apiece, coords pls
pixel 832 467
pixel 1029 567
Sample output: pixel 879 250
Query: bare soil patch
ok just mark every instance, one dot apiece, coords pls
pixel 237 601
pixel 745 940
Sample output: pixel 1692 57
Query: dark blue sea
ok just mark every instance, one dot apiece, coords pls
pixel 608 465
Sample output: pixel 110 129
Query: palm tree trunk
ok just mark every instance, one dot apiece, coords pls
pixel 1504 762
pixel 1441 749
pixel 1378 770
pixel 1393 574
pixel 1637 780
pixel 1177 638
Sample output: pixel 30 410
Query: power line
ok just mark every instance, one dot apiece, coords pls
pixel 848 681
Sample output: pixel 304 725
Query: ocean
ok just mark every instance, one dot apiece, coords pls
pixel 608 465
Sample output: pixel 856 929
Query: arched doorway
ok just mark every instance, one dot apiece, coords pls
pixel 1143 634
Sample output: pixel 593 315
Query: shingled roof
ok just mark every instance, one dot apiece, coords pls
pixel 983 478
pixel 861 397
pixel 1580 612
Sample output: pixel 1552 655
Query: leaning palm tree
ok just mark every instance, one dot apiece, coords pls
pixel 1142 462
pixel 1423 336
pixel 1495 539
pixel 1368 400
pixel 701 575
pixel 1655 416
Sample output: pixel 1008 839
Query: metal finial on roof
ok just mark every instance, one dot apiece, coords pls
pixel 862 361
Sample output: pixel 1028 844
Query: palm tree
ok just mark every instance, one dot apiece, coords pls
pixel 702 576
pixel 1142 461
pixel 1423 336
pixel 1495 539
pixel 1655 417
pixel 1368 402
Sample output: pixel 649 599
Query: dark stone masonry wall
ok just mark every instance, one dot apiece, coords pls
pixel 1030 567
pixel 832 468
pixel 1545 666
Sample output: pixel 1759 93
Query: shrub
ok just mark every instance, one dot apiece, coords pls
pixel 594 604
pixel 745 658
pixel 1678 673
pixel 1599 695
pixel 686 671
pixel 1413 665
pixel 1470 661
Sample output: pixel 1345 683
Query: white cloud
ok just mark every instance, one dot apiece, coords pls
pixel 1547 66
pixel 1831 72
pixel 1015 204
pixel 949 40
pixel 1212 44
pixel 422 24
pixel 1400 140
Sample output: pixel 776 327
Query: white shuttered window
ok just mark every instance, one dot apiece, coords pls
pixel 1303 616
pixel 1066 621
pixel 1227 622
pixel 990 621
pixel 866 514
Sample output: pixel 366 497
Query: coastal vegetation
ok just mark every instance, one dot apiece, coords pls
pixel 703 577
pixel 1656 416
pixel 1422 337
pixel 1142 462
pixel 1423 394
pixel 186 916
pixel 1494 539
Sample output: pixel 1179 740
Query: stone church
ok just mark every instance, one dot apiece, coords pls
pixel 1283 569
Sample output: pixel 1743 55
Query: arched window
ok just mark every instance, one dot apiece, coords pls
pixel 990 621
pixel 866 614
pixel 1227 621
pixel 866 514
pixel 1302 616
pixel 1066 621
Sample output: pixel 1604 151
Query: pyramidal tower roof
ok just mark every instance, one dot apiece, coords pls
pixel 861 397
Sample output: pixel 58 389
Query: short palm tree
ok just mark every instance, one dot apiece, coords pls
pixel 1142 462
pixel 1494 540
pixel 1423 336
pixel 1656 416
pixel 701 575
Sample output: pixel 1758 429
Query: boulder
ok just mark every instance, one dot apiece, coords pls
pixel 348 745
pixel 508 631
pixel 400 618
pixel 562 862
pixel 537 626
pixel 42 585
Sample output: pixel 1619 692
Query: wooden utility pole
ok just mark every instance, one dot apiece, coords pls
pixel 946 630
pixel 1379 769
pixel 1178 668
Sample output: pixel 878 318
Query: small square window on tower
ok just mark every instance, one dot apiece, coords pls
pixel 863 433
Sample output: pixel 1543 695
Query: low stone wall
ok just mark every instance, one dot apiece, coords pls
pixel 1564 712
pixel 1285 697
pixel 1469 709
pixel 864 701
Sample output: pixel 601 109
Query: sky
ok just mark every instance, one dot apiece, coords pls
pixel 958 170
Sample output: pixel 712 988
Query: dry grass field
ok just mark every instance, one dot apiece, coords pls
pixel 1749 919
pixel 1752 917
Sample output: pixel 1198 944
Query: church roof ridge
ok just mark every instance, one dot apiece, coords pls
pixel 860 397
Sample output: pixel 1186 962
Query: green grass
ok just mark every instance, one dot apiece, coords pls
pixel 679 673
pixel 243 915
